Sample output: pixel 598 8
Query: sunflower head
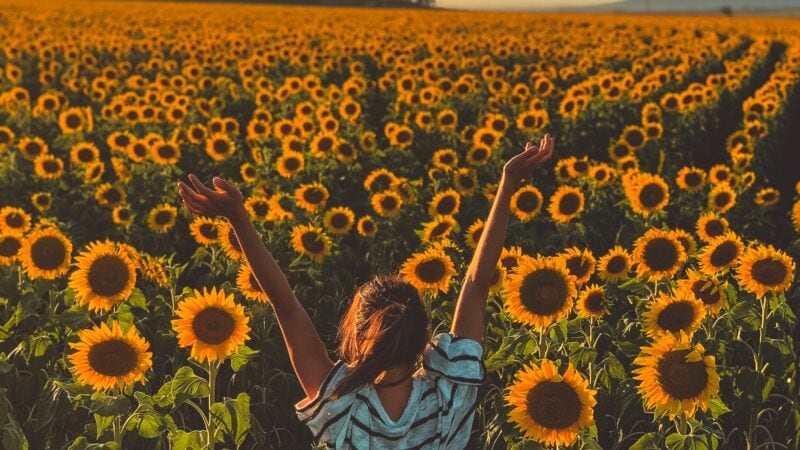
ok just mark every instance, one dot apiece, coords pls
pixel 658 255
pixel 248 285
pixel 104 277
pixel 311 241
pixel 107 357
pixel 592 302
pixel 549 407
pixel 429 270
pixel 540 291
pixel 45 253
pixel 581 264
pixel 676 377
pixel 566 203
pixel 677 313
pixel 763 270
pixel 211 323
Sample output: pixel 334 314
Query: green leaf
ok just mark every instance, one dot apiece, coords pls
pixel 138 300
pixel 716 407
pixel 183 386
pixel 101 423
pixel 706 441
pixel 12 437
pixel 107 405
pixel 647 442
pixel 241 357
pixel 233 416
pixel 615 368
pixel 147 420
pixel 182 440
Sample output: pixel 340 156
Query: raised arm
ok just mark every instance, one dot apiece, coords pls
pixel 471 307
pixel 306 351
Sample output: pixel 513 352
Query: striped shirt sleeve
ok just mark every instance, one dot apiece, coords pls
pixel 456 358
pixel 323 416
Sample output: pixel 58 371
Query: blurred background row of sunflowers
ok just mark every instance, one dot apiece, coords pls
pixel 647 296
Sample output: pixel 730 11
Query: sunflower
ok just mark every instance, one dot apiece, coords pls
pixel 511 257
pixel 48 167
pixel 45 253
pixel 109 195
pixel 228 241
pixel 767 197
pixel 618 150
pixel 74 120
pixel 84 153
pixel 248 285
pixel 10 246
pixel 526 202
pixel 204 230
pixel 94 171
pixel 691 179
pixel 258 207
pixel 379 180
pixel 681 312
pixel 106 357
pixel 474 233
pixel 445 203
pixel 566 204
pixel 647 193
pixel 796 216
pixel 763 269
pixel 592 302
pixel 635 136
pixel 721 253
pixel 710 225
pixel 708 290
pixel 248 172
pixel 548 407
pixel 540 291
pixel 721 198
pixel 581 264
pixel 122 215
pixel 720 173
pixel 429 270
pixel 219 146
pixel 658 255
pixel 465 181
pixel 439 228
pixel 311 197
pixel 162 217
pixel 339 220
pixel 290 163
pixel 601 174
pixel 14 221
pixel 676 378
pixel 311 241
pixel 387 203
pixel 211 323
pixel 366 226
pixel 105 276
pixel 41 201
pixel 478 155
pixel 445 159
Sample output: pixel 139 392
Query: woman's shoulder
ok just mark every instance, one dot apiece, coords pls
pixel 454 359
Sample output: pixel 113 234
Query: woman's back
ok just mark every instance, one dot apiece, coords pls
pixel 438 414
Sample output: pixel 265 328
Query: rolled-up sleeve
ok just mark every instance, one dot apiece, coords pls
pixel 459 359
pixel 322 415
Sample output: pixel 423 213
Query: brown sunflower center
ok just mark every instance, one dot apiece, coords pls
pixel 446 205
pixel 430 271
pixel 616 264
pixel 709 295
pixel 108 275
pixel 51 166
pixel 213 325
pixel 724 254
pixel 569 204
pixel 73 121
pixel 339 220
pixel 722 199
pixel 313 196
pixel 112 358
pixel 367 226
pixel 578 266
pixel 466 181
pixel 692 179
pixel 676 316
pixel 544 292
pixel 660 254
pixel 15 220
pixel 33 149
pixel 260 208
pixel 681 379
pixel 580 166
pixel 714 228
pixel 769 272
pixel 112 195
pixel 635 138
pixel 440 229
pixel 651 195
pixel 291 164
pixel 553 405
pixel 166 152
pixel 48 252
pixel 595 302
pixel 85 155
pixel 9 246
pixel 162 218
pixel 312 243
pixel 220 146
pixel 527 202
pixel 479 154
pixel 208 230
pixel 233 241
pixel 389 203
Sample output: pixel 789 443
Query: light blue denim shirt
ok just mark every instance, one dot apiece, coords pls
pixel 438 415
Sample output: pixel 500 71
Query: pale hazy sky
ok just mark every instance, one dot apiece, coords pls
pixel 515 4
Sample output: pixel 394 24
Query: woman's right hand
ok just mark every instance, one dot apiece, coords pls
pixel 519 166
pixel 226 201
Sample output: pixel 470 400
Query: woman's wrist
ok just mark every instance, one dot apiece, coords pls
pixel 238 217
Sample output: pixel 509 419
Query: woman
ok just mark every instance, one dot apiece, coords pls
pixel 369 398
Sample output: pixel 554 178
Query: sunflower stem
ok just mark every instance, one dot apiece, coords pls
pixel 117 426
pixel 542 352
pixel 212 383
pixel 761 328
pixel 591 345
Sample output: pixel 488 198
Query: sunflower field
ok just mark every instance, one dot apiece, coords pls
pixel 647 296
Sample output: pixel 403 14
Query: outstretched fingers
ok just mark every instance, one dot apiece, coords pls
pixel 201 188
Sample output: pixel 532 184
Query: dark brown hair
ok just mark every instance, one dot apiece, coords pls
pixel 386 324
